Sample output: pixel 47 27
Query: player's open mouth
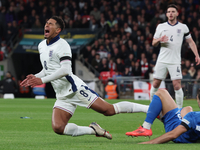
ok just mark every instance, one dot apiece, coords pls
pixel 46 32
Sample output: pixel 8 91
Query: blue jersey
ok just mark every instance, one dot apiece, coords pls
pixel 191 122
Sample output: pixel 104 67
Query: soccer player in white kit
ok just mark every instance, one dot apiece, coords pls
pixel 170 35
pixel 55 57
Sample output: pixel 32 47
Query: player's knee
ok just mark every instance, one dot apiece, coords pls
pixel 58 128
pixel 177 86
pixel 189 108
pixel 109 112
pixel 156 83
pixel 160 92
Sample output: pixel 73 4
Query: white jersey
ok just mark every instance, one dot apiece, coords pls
pixel 170 51
pixel 50 57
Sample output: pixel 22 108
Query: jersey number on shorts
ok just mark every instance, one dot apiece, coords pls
pixel 83 93
pixel 178 70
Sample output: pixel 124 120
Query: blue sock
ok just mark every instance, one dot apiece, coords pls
pixel 154 110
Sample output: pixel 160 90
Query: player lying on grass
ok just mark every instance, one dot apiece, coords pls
pixel 55 57
pixel 182 125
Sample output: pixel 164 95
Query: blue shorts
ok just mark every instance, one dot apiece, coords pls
pixel 172 119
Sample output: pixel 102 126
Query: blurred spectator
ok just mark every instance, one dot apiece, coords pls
pixel 196 86
pixel 66 20
pixel 84 23
pixel 32 17
pixel 120 66
pixel 185 74
pixel 116 53
pixel 37 24
pixel 21 13
pixel 112 65
pixel 96 45
pixel 87 52
pixel 103 23
pixel 137 69
pixel 10 15
pixel 91 56
pixel 127 71
pixel 136 51
pixel 187 64
pixel 96 13
pixel 192 71
pixel 154 59
pixel 93 25
pixel 3 51
pixel 45 15
pixel 103 66
pixel 81 4
pixel 129 60
pixel 71 24
pixel 78 22
pixel 144 67
pixel 112 21
pixel 25 22
pixel 10 31
pixel 8 84
pixel 102 52
pixel 96 61
pixel 124 52
pixel 107 45
pixel 127 28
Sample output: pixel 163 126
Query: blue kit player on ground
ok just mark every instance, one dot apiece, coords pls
pixel 182 125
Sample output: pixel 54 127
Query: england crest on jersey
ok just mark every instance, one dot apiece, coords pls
pixel 50 54
pixel 178 32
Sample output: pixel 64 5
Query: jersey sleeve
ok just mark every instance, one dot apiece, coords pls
pixel 157 33
pixel 187 34
pixel 64 53
pixel 186 121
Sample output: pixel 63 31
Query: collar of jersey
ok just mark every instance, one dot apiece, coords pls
pixel 54 40
pixel 172 25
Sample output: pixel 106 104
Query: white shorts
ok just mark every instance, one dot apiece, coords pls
pixel 84 97
pixel 161 70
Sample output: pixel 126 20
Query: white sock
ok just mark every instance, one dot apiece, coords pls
pixel 152 92
pixel 129 107
pixel 146 125
pixel 179 97
pixel 75 130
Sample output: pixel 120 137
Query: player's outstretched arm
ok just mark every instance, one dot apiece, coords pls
pixel 169 136
pixel 194 49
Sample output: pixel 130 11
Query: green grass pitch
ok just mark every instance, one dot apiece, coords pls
pixel 36 132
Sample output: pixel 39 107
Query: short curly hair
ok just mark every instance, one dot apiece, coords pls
pixel 59 22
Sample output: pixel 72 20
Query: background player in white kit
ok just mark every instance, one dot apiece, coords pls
pixel 170 35
pixel 55 57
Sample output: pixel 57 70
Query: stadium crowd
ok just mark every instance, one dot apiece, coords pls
pixel 126 47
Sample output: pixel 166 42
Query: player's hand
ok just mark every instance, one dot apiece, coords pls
pixel 34 81
pixel 164 39
pixel 25 81
pixel 148 142
pixel 197 59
